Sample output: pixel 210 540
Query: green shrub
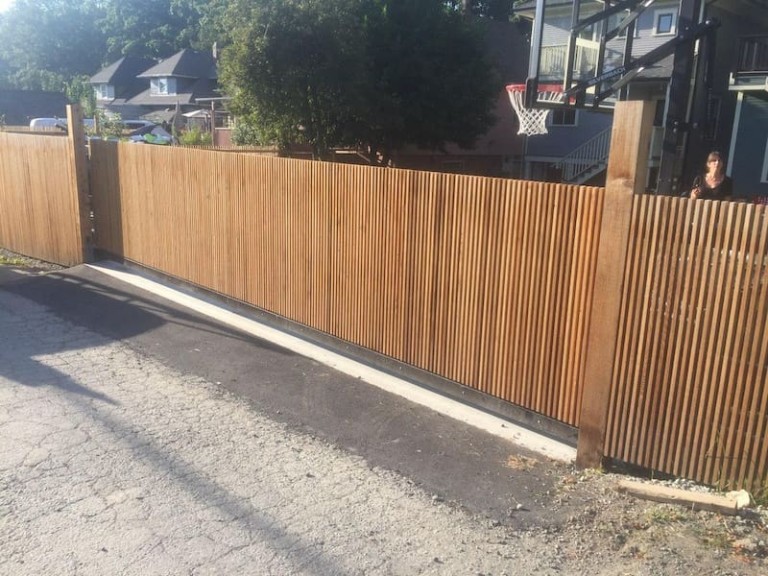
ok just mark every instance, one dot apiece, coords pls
pixel 194 136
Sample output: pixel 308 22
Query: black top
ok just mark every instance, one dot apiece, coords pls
pixel 722 191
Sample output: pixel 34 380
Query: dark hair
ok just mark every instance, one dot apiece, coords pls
pixel 715 155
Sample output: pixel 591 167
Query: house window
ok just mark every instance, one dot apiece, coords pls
pixel 104 91
pixel 664 22
pixel 764 174
pixel 163 86
pixel 563 117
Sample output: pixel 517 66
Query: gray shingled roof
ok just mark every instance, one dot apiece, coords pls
pixel 184 64
pixel 122 72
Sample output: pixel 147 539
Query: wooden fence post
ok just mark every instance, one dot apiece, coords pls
pixel 626 176
pixel 76 138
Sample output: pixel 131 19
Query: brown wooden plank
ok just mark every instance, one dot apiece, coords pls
pixel 629 142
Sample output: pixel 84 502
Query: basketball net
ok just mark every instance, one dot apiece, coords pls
pixel 533 120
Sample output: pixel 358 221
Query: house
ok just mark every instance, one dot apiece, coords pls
pixel 157 91
pixel 116 84
pixel 749 143
pixel 711 107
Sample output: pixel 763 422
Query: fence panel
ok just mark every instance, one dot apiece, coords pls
pixel 483 281
pixel 39 198
pixel 689 395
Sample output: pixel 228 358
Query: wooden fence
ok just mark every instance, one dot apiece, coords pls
pixel 43 211
pixel 485 282
pixel 638 319
pixel 689 393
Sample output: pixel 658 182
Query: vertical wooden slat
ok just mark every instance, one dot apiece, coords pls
pixel 487 282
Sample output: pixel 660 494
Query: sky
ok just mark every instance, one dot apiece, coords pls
pixel 5 4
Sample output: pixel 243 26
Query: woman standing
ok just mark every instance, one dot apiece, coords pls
pixel 713 184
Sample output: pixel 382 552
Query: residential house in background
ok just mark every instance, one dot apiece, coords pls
pixel 749 143
pixel 116 84
pixel 712 107
pixel 159 92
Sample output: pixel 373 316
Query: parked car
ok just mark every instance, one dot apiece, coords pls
pixel 47 123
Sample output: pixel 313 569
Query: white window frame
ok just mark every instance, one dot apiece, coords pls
pixel 658 14
pixel 551 118
pixel 167 84
pixel 764 175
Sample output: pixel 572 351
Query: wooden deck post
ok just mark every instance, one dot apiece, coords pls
pixel 626 176
pixel 76 137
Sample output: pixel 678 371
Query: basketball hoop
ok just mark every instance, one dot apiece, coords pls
pixel 533 120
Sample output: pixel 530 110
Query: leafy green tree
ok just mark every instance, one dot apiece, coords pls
pixel 297 68
pixel 144 28
pixel 379 74
pixel 79 90
pixel 495 9
pixel 50 37
pixel 431 77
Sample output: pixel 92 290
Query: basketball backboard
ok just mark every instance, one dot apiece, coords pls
pixel 583 46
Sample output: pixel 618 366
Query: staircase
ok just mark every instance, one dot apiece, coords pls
pixel 587 160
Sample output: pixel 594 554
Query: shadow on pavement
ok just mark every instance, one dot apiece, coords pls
pixel 126 315
pixel 484 474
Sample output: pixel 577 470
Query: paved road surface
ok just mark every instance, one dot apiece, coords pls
pixel 139 437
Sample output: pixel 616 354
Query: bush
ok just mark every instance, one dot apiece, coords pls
pixel 194 136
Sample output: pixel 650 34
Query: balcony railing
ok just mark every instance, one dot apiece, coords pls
pixel 553 58
pixel 752 56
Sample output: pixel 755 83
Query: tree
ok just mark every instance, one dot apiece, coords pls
pixel 46 42
pixel 379 74
pixel 431 78
pixel 296 67
pixel 146 28
pixel 495 9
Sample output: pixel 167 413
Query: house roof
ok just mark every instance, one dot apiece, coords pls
pixel 20 106
pixel 184 64
pixel 122 72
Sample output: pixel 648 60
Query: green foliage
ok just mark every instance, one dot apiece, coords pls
pixel 55 36
pixel 248 133
pixel 379 74
pixel 194 136
pixel 47 43
pixel 80 91
pixel 108 127
pixel 148 28
pixel 495 9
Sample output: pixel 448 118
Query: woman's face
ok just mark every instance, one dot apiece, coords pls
pixel 714 163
